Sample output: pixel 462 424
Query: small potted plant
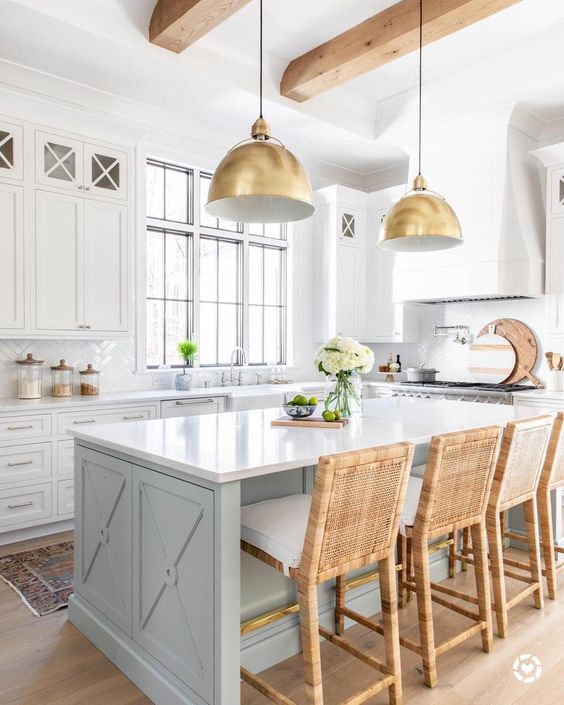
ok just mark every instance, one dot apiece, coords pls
pixel 188 351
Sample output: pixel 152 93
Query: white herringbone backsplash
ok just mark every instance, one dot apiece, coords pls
pixel 451 358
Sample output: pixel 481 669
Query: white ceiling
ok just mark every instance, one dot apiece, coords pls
pixel 514 56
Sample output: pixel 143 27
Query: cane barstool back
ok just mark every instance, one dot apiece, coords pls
pixel 454 495
pixel 552 477
pixel 353 522
pixel 518 471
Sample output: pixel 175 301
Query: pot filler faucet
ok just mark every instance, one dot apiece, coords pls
pixel 244 363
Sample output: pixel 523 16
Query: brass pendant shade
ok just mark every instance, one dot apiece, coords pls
pixel 421 221
pixel 260 181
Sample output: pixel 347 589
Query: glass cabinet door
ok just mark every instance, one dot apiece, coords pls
pixel 105 171
pixel 11 151
pixel 58 161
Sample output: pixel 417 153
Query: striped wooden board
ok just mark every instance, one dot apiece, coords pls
pixel 523 340
pixel 310 422
pixel 491 359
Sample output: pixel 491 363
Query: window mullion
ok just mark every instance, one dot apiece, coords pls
pixel 245 301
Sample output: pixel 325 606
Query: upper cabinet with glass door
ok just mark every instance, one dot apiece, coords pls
pixel 72 164
pixel 11 151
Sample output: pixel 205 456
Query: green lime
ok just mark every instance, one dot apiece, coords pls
pixel 313 401
pixel 328 415
pixel 337 414
pixel 300 400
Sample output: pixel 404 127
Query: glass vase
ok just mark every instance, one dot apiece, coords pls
pixel 343 393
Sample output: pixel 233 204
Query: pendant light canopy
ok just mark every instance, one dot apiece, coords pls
pixel 259 180
pixel 421 221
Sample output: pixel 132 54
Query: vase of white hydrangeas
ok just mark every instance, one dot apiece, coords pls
pixel 343 360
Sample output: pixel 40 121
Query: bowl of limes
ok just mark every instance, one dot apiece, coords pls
pixel 300 407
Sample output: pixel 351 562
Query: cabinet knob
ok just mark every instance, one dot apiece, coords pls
pixel 86 188
pixel 87 326
pixel 80 188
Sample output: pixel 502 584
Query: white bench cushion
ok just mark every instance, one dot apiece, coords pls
pixel 278 527
pixel 411 503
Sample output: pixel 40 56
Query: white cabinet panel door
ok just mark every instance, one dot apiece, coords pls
pixel 347 297
pixel 105 172
pixel 11 150
pixel 11 256
pixel 555 276
pixel 173 566
pixel 59 260
pixel 58 161
pixel 105 266
pixel 103 576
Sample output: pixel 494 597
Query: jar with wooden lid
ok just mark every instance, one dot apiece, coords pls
pixel 61 380
pixel 89 381
pixel 30 377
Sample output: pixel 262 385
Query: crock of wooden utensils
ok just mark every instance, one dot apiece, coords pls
pixel 555 361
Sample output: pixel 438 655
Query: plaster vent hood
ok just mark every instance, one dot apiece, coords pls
pixel 488 175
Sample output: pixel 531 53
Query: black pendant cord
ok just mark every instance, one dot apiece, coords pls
pixel 420 74
pixel 260 62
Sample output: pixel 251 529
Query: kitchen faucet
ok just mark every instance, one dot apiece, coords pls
pixel 244 363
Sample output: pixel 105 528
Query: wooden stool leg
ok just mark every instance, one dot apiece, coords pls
pixel 503 522
pixel 340 592
pixel 388 598
pixel 402 574
pixel 532 526
pixel 547 540
pixel 309 626
pixel 482 576
pixel 425 611
pixel 465 546
pixel 495 541
pixel 453 537
pixel 409 565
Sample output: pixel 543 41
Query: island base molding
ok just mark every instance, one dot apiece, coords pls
pixel 133 661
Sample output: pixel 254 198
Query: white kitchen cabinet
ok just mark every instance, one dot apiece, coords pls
pixel 192 407
pixel 71 163
pixel 11 255
pixel 81 264
pixel 555 251
pixel 340 263
pixel 11 150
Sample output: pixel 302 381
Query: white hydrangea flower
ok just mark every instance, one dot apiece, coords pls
pixel 343 354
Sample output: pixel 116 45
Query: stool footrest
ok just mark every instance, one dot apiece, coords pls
pixel 448 644
pixel 351 649
pixel 375 627
pixel 265 688
pixel 525 592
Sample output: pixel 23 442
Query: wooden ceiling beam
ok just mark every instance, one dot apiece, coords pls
pixel 176 24
pixel 382 38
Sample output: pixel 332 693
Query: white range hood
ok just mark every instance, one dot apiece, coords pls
pixel 486 172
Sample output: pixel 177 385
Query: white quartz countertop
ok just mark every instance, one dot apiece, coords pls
pixel 152 395
pixel 238 445
pixel 540 394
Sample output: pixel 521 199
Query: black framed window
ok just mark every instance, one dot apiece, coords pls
pixel 210 221
pixel 170 192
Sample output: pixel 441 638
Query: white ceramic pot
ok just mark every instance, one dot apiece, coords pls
pixel 555 381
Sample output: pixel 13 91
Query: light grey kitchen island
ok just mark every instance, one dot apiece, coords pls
pixel 158 565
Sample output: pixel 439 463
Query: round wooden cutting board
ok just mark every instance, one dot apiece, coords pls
pixel 491 359
pixel 524 342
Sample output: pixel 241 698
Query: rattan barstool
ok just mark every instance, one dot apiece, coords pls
pixel 453 495
pixel 352 522
pixel 516 480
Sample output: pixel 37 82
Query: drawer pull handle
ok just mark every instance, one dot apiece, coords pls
pixel 195 401
pixel 21 462
pixel 20 428
pixel 85 421
pixel 20 506
pixel 131 418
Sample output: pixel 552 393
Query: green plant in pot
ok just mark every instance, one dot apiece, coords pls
pixel 188 351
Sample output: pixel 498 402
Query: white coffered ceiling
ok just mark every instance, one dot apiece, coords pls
pixel 365 126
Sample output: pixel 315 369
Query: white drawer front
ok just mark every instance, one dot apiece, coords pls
pixel 65 498
pixel 70 420
pixel 14 427
pixel 65 459
pixel 192 407
pixel 25 463
pixel 18 506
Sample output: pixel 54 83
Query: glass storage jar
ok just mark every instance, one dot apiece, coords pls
pixel 89 381
pixel 61 380
pixel 30 377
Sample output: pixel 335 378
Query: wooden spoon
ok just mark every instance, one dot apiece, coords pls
pixel 556 361
pixel 548 356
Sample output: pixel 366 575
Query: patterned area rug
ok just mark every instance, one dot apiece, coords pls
pixel 43 578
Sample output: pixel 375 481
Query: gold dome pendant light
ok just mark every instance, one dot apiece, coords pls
pixel 421 221
pixel 259 180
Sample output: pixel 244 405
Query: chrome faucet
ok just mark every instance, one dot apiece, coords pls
pixel 244 363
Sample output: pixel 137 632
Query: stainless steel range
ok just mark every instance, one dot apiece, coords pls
pixel 460 391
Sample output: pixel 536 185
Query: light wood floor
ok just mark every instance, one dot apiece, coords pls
pixel 46 661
